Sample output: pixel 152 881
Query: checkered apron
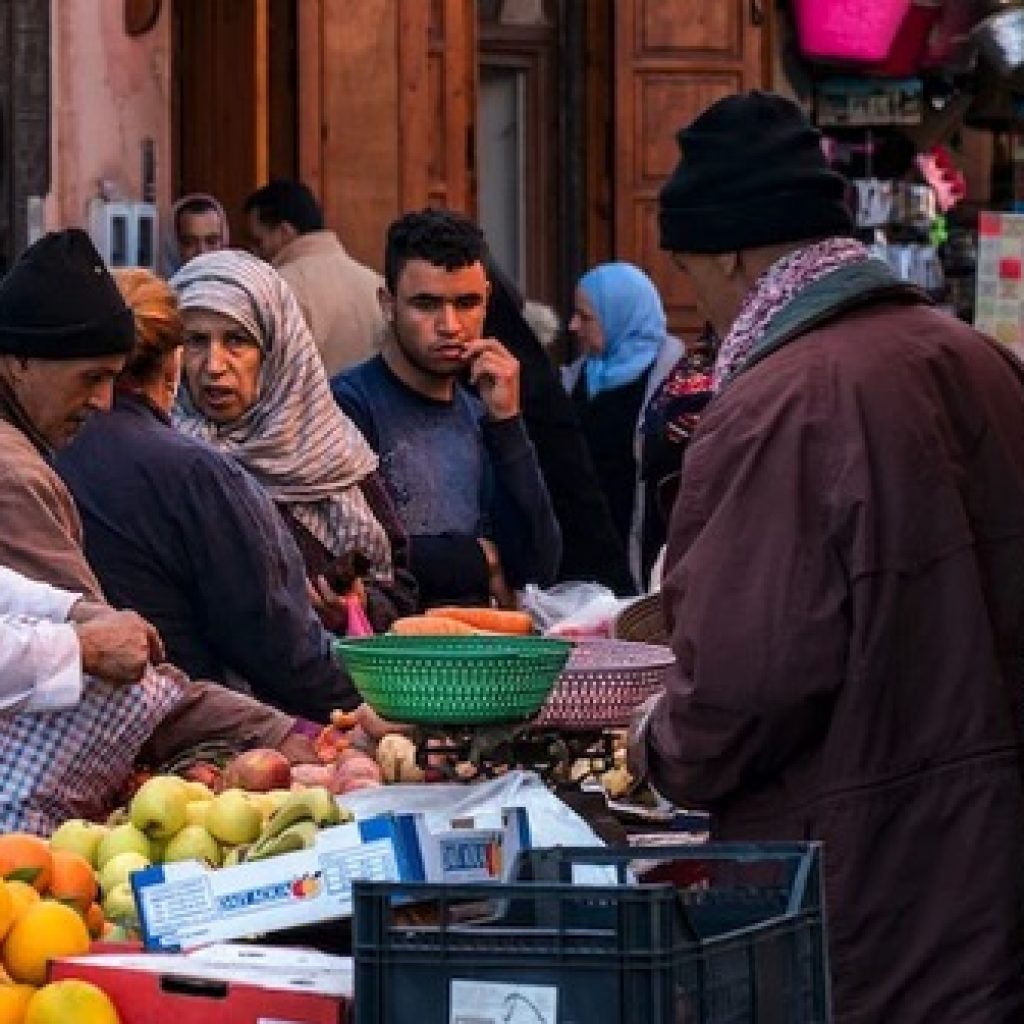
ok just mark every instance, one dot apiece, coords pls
pixel 71 764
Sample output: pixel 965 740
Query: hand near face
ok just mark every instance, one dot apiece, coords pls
pixel 331 606
pixel 494 372
pixel 118 646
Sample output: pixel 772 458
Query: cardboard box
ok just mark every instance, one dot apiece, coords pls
pixel 469 853
pixel 241 984
pixel 185 904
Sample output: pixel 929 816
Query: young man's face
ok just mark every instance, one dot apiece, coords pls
pixel 264 240
pixel 199 233
pixel 58 396
pixel 435 313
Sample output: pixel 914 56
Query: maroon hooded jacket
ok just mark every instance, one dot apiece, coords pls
pixel 845 589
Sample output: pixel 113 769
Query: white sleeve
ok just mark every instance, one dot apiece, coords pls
pixel 20 595
pixel 40 665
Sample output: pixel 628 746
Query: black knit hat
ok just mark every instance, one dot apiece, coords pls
pixel 60 302
pixel 752 174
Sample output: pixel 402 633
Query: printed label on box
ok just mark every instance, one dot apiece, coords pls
pixel 185 904
pixel 479 1002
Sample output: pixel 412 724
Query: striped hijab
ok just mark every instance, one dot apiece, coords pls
pixel 294 439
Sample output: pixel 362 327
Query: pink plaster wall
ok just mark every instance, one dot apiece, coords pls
pixel 109 92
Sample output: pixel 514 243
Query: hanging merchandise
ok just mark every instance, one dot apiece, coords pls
pixel 999 309
pixel 852 102
pixel 909 46
pixel 946 179
pixel 1001 39
pixel 851 30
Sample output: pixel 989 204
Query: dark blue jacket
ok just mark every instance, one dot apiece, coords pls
pixel 454 476
pixel 183 535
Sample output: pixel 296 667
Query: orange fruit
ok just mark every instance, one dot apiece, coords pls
pixel 42 933
pixel 95 921
pixel 14 1002
pixel 22 896
pixel 71 999
pixel 8 911
pixel 73 880
pixel 26 858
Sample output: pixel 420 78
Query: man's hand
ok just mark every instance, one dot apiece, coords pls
pixel 636 737
pixel 85 609
pixel 117 646
pixel 332 607
pixel 299 749
pixel 496 582
pixel 494 372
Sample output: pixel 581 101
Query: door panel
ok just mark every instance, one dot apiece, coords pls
pixel 235 98
pixel 672 58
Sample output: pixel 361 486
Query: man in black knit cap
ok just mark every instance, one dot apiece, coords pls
pixel 65 333
pixel 845 580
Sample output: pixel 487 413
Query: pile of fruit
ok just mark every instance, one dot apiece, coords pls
pixel 48 909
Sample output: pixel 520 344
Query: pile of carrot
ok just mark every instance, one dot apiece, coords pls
pixel 456 621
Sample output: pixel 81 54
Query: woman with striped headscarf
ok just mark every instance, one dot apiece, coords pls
pixel 255 388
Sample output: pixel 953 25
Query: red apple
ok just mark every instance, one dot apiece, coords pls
pixel 258 771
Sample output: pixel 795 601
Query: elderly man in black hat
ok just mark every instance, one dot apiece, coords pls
pixel 65 333
pixel 845 580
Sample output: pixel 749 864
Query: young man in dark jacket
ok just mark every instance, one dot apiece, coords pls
pixel 845 580
pixel 459 466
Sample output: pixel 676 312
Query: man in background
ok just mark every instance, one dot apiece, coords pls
pixel 337 294
pixel 199 224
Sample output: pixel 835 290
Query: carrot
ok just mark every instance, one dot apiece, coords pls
pixel 344 719
pixel 430 625
pixel 492 620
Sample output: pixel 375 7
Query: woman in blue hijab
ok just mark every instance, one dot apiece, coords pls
pixel 626 351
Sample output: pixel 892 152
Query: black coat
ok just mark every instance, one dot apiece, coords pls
pixel 591 547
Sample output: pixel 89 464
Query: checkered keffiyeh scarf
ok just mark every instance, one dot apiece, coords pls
pixel 774 290
pixel 67 764
pixel 294 440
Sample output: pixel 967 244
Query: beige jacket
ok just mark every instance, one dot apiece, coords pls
pixel 338 297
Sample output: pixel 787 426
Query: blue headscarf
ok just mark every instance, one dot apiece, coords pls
pixel 633 322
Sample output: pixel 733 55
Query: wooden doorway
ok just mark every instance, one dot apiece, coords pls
pixel 518 140
pixel 235 98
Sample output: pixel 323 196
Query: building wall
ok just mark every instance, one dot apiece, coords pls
pixel 110 92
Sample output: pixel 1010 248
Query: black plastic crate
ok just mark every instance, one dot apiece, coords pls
pixel 729 934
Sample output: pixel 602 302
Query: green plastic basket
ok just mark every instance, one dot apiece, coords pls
pixel 454 680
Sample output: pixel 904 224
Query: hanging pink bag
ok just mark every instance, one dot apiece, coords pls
pixel 848 30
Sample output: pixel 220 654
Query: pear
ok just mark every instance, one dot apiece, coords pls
pixel 232 818
pixel 193 843
pixel 119 906
pixel 198 790
pixel 158 808
pixel 79 836
pixel 196 812
pixel 122 839
pixel 119 869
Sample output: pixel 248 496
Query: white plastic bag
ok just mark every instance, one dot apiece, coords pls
pixel 572 609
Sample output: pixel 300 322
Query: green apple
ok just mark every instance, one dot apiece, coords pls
pixel 119 869
pixel 158 808
pixel 193 842
pixel 122 839
pixel 196 811
pixel 119 906
pixel 79 836
pixel 233 818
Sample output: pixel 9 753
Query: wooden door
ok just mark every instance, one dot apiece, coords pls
pixel 234 98
pixel 671 59
pixel 387 107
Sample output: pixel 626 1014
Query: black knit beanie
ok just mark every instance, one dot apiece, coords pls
pixel 60 302
pixel 752 174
